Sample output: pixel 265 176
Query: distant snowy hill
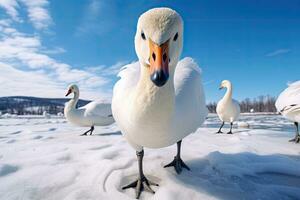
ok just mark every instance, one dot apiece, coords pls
pixel 34 105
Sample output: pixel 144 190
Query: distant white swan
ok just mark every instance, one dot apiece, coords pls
pixel 288 104
pixel 228 109
pixel 95 113
pixel 158 101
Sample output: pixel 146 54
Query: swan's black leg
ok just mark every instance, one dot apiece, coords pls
pixel 85 133
pixel 177 163
pixel 220 130
pixel 142 183
pixel 230 132
pixel 92 129
pixel 297 136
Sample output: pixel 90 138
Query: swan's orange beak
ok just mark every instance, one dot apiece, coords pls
pixel 159 63
pixel 69 92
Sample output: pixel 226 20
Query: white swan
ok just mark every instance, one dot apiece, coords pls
pixel 228 109
pixel 158 101
pixel 288 104
pixel 92 114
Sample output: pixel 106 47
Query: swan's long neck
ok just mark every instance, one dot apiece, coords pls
pixel 228 94
pixel 73 102
pixel 153 104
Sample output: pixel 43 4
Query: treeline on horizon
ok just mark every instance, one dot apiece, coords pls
pixel 23 105
pixel 37 106
pixel 259 104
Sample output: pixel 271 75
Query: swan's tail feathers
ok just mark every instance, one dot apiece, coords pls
pixel 289 97
pixel 290 108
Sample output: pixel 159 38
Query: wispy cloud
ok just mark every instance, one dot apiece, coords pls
pixel 38 83
pixel 11 7
pixel 107 70
pixel 55 50
pixel 30 70
pixel 209 82
pixel 37 10
pixel 98 17
pixel 278 52
pixel 38 13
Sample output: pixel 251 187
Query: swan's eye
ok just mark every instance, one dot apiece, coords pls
pixel 143 36
pixel 175 37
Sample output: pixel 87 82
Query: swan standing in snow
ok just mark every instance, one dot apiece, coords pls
pixel 92 114
pixel 288 104
pixel 158 101
pixel 228 109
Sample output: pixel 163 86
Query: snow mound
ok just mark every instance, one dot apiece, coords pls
pixel 243 124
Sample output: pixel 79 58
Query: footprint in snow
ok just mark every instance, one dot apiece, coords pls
pixel 16 132
pixel 37 137
pixel 64 158
pixel 100 147
pixel 109 154
pixel 11 141
pixel 6 169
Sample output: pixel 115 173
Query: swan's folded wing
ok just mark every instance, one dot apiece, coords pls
pixel 237 105
pixel 289 97
pixel 97 109
pixel 129 76
pixel 190 98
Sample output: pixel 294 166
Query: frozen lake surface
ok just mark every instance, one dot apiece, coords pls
pixel 47 159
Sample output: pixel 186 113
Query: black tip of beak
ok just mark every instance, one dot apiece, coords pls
pixel 159 78
pixel 69 92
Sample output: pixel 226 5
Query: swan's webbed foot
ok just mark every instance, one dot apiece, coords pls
pixel 140 185
pixel 178 164
pixel 296 139
pixel 230 132
pixel 219 132
pixel 297 136
pixel 90 130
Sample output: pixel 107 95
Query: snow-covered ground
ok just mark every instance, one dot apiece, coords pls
pixel 47 159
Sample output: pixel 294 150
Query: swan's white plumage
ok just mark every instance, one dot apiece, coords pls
pixel 288 102
pixel 95 113
pixel 228 109
pixel 190 109
pixel 190 98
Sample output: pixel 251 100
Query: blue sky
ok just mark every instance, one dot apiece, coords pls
pixel 47 45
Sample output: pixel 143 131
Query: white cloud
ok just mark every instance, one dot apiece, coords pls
pixel 107 70
pixel 38 13
pixel 37 10
pixel 10 7
pixel 30 70
pixel 37 83
pixel 55 50
pixel 98 18
pixel 26 65
pixel 25 51
pixel 278 52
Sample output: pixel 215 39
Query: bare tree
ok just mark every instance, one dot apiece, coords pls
pixel 259 104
